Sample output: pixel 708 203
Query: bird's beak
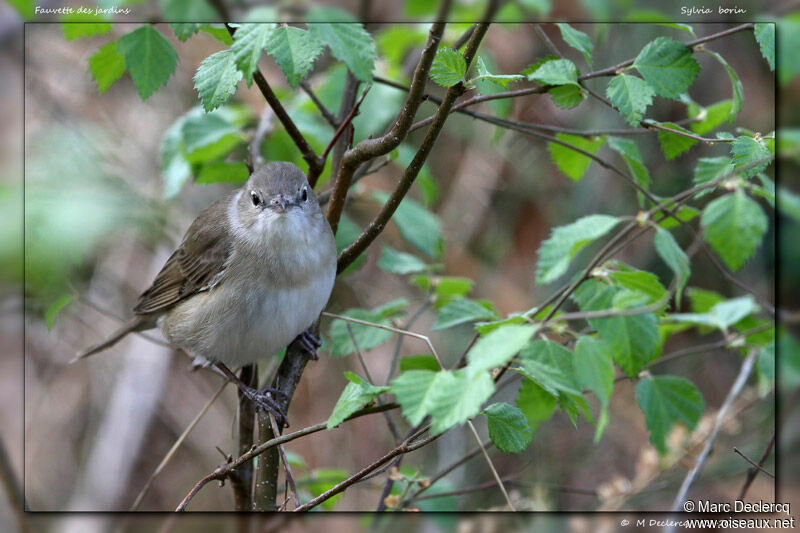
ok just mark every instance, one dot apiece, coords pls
pixel 280 203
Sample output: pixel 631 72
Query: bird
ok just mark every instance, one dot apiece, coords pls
pixel 252 273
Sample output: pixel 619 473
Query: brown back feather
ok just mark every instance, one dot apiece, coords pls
pixel 194 265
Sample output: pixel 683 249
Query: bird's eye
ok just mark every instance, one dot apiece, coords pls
pixel 256 199
pixel 304 194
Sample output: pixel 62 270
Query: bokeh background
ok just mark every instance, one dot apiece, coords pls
pixel 97 224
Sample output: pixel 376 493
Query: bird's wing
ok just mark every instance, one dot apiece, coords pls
pixel 195 266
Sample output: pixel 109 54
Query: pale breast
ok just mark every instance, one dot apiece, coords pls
pixel 248 315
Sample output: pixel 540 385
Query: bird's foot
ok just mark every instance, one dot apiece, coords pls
pixel 309 342
pixel 266 400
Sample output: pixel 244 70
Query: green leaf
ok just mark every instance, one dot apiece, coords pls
pixel 55 308
pixel 175 170
pixel 536 403
pixel 672 254
pixel 594 371
pixel 367 337
pixel 569 161
pixel 80 25
pixel 665 401
pixel 631 95
pixel 556 72
pixel 501 80
pixel 685 212
pixel 418 362
pixel 498 347
pixel 216 79
pixel 765 35
pixel 484 328
pixel 746 150
pixel 107 66
pixel 450 288
pixel 722 315
pixel 550 365
pixel 184 30
pixel 710 169
pixel 736 86
pixel 734 226
pixel 594 368
pixel 396 262
pixel 508 427
pixel 187 10
pixel 458 396
pixel 248 42
pixel 450 397
pixel 461 311
pixel 567 96
pixel 710 117
pixel 203 132
pixel 577 40
pixel 557 251
pixel 449 67
pixel 149 58
pixel 673 144
pixel 417 225
pixel 356 394
pixel 218 32
pixel 294 51
pixel 349 42
pixel 639 281
pixel 668 66
pixel 633 339
pixel 222 172
pixel 530 69
pixel 414 392
pixel 629 151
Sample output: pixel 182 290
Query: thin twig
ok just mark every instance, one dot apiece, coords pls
pixel 263 129
pixel 178 442
pixel 392 427
pixel 548 43
pixel 289 477
pixel 403 448
pixel 736 388
pixel 324 111
pixel 387 328
pixel 751 475
pixel 497 478
pixel 223 471
pixel 757 466
pixel 370 148
pixel 346 122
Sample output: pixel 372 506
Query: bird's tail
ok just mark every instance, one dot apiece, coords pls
pixel 135 324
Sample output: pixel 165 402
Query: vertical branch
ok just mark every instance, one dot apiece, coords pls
pixel 371 148
pixel 242 477
pixel 285 382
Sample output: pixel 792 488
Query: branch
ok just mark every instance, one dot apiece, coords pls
pixel 223 471
pixel 613 71
pixel 403 448
pixel 756 466
pixel 736 388
pixel 370 148
pixel 378 223
pixel 242 477
pixel 751 475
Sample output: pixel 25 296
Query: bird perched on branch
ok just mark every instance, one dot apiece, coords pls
pixel 253 272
